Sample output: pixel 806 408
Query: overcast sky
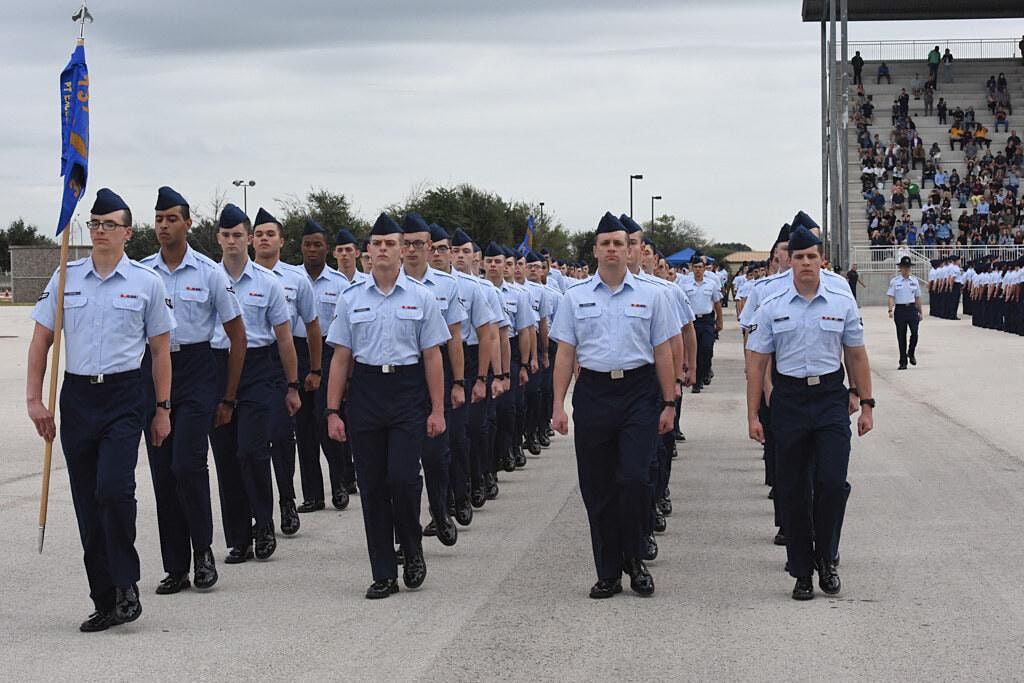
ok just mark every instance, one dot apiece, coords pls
pixel 717 104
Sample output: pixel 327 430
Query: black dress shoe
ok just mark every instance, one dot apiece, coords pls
pixel 311 506
pixel 266 542
pixel 447 532
pixel 549 432
pixel 289 518
pixel 430 529
pixel 640 580
pixel 707 381
pixel 543 439
pixel 804 589
pixel 239 555
pixel 464 513
pixel 771 493
pixel 350 488
pixel 912 359
pixel 780 539
pixel 606 588
pixel 696 388
pixel 205 570
pixel 414 571
pixel 650 549
pixel 382 589
pixel 660 524
pixel 491 491
pixel 533 445
pixel 828 578
pixel 478 498
pixel 665 506
pixel 903 366
pixel 173 583
pixel 98 621
pixel 399 556
pixel 508 461
pixel 127 607
pixel 678 435
pixel 339 499
pixel 519 458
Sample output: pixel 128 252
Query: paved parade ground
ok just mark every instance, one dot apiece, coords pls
pixel 932 558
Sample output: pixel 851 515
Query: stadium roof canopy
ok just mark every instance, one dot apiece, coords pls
pixel 917 10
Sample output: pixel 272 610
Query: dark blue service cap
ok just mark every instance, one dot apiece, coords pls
pixel 697 258
pixel 264 216
pixel 312 228
pixel 437 233
pixel 935 262
pixel 610 223
pixel 364 245
pixel 544 251
pixel 533 257
pixel 631 225
pixel 168 198
pixel 460 238
pixel 476 248
pixel 414 222
pixel 108 201
pixel 231 216
pixel 784 233
pixel 801 219
pixel 802 238
pixel 385 225
pixel 905 261
pixel 494 249
pixel 344 237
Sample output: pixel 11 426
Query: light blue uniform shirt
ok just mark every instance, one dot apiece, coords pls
pixel 388 329
pixel 201 295
pixel 761 290
pixel 678 301
pixel 703 295
pixel 261 295
pixel 327 287
pixel 446 293
pixel 106 321
pixel 298 292
pixel 478 305
pixel 357 276
pixel 555 296
pixel 904 290
pixel 614 330
pixel 497 304
pixel 556 280
pixel 807 337
pixel 517 306
pixel 540 302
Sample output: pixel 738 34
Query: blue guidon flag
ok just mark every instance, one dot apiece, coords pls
pixel 527 242
pixel 74 124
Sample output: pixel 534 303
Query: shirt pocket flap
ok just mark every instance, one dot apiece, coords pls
pixel 409 313
pixel 588 309
pixel 832 325
pixel 363 316
pixel 638 311
pixel 255 299
pixel 129 302
pixel 328 297
pixel 783 325
pixel 194 294
pixel 76 301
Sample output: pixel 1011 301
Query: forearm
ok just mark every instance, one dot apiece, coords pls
pixel 565 364
pixel 338 378
pixel 758 364
pixel 434 370
pixel 42 340
pixel 860 371
pixel 235 330
pixel 160 351
pixel 892 303
pixel 525 345
pixel 286 350
pixel 485 335
pixel 665 370
pixel 678 355
pixel 543 342
pixel 456 357
pixel 316 345
pixel 690 344
pixel 920 308
pixel 718 312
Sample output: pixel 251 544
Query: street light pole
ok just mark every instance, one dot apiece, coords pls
pixel 632 177
pixel 653 197
pixel 245 185
pixel 542 212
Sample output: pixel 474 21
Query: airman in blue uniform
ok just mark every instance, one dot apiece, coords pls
pixel 387 332
pixel 542 302
pixel 617 327
pixel 705 295
pixel 112 307
pixel 904 296
pixel 201 295
pixel 809 328
pixel 241 448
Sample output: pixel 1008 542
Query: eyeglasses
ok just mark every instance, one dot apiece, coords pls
pixel 416 244
pixel 441 250
pixel 106 226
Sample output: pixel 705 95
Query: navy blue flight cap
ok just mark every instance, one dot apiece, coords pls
pixel 312 228
pixel 784 233
pixel 263 216
pixel 231 216
pixel 476 248
pixel 649 242
pixel 460 238
pixel 364 245
pixel 493 249
pixel 802 238
pixel 533 257
pixel 167 198
pixel 801 219
pixel 437 233
pixel 108 201
pixel 414 223
pixel 344 237
pixel 544 251
pixel 905 261
pixel 631 225
pixel 385 225
pixel 610 223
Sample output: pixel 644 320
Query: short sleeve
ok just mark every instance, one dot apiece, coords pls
pixel 433 329
pixel 716 295
pixel 892 288
pixel 159 319
pixel 340 331
pixel 45 310
pixel 563 329
pixel 225 302
pixel 853 330
pixel 305 300
pixel 761 338
pixel 525 315
pixel 456 312
pixel 749 314
pixel 277 305
pixel 664 323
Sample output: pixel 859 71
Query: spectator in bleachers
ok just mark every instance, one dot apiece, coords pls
pixel 941 109
pixel 916 86
pixel 1002 119
pixel 913 193
pixel 904 102
pixel 1001 81
pixel 958 116
pixel 969 115
pixel 934 57
pixel 947 66
pixel 990 84
pixel 1003 100
pixel 970 148
pixel 935 153
pixel 956 136
pixel 883 72
pixel 929 100
pixel 981 136
pixel 857 63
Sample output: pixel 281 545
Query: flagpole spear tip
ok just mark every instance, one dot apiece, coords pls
pixel 42 537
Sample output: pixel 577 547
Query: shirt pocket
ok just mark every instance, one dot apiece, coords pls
pixel 74 311
pixel 588 320
pixel 362 327
pixel 132 311
pixel 833 326
pixel 328 302
pixel 407 323
pixel 192 304
pixel 784 329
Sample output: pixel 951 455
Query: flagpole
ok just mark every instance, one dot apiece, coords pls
pixel 58 326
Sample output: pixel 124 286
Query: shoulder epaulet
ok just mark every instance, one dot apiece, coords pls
pixel 144 267
pixel 835 288
pixel 145 260
pixel 78 262
pixel 262 269
pixel 443 274
pixel 578 283
pixel 205 260
pixel 773 297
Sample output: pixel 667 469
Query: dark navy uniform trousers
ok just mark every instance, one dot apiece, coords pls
pixel 100 428
pixel 905 316
pixel 387 416
pixel 179 466
pixel 241 448
pixel 470 416
pixel 812 440
pixel 704 326
pixel 437 452
pixel 616 435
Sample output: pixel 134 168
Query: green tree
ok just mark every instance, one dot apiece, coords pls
pixel 19 234
pixel 142 243
pixel 671 234
pixel 331 210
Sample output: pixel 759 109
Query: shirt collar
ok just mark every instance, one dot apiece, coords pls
pixel 792 293
pixel 401 283
pixel 628 281
pixel 189 260
pixel 123 268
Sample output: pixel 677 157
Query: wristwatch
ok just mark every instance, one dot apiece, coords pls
pixel 503 375
pixel 481 378
pixel 869 402
pixel 459 382
pixel 668 404
pixel 295 385
pixel 332 411
pixel 231 404
pixel 166 405
pixel 318 373
pixel 854 391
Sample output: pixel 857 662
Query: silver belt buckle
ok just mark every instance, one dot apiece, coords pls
pixel 175 348
pixel 96 379
pixel 618 374
pixel 813 381
pixel 387 369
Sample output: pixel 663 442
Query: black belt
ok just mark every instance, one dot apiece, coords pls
pixel 813 381
pixel 706 316
pixel 175 348
pixel 388 369
pixel 615 375
pixel 111 378
pixel 904 305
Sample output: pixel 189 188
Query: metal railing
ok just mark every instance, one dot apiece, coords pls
pixel 884 259
pixel 962 48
